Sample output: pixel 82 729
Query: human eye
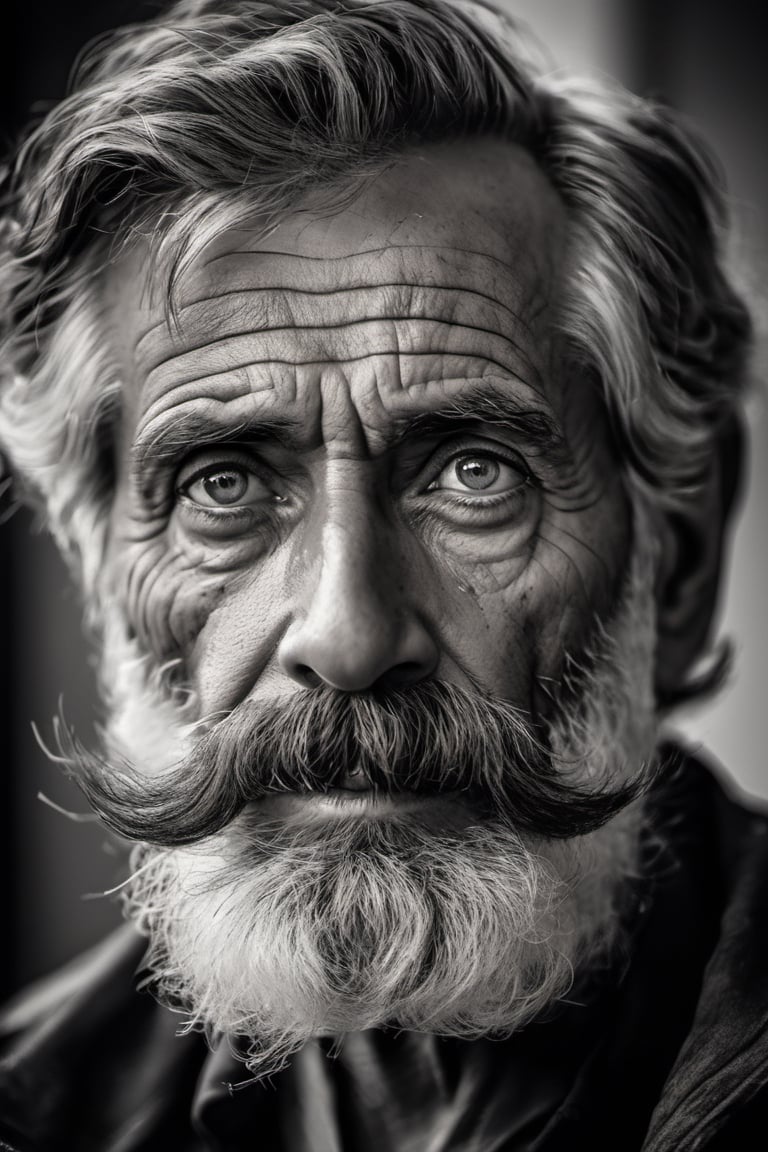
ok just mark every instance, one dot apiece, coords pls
pixel 476 486
pixel 221 486
pixel 225 486
pixel 479 474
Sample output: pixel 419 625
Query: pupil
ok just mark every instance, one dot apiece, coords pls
pixel 226 487
pixel 479 472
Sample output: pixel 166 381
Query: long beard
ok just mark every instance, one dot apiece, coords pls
pixel 369 923
pixel 275 933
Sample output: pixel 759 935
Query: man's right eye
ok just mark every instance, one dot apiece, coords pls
pixel 225 486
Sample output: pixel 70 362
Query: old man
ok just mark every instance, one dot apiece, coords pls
pixel 383 392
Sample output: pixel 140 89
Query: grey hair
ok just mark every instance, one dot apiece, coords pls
pixel 185 126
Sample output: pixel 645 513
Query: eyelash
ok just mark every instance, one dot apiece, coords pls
pixel 228 522
pixel 235 464
pixel 471 444
pixel 441 461
pixel 495 500
pixel 478 507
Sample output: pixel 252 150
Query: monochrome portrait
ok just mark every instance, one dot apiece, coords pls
pixel 383 464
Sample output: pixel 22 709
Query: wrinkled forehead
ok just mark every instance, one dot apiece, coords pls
pixel 469 234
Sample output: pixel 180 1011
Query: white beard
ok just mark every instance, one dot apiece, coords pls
pixel 278 935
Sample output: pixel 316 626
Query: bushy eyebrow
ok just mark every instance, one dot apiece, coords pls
pixel 196 429
pixel 535 428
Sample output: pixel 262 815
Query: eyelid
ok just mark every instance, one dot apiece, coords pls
pixel 446 454
pixel 203 460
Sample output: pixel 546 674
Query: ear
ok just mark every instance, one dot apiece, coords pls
pixel 693 541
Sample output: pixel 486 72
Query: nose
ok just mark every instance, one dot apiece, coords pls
pixel 357 627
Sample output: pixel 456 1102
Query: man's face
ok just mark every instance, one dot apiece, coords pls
pixel 360 461
pixel 378 525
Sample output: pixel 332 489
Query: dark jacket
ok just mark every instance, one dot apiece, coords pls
pixel 674 1057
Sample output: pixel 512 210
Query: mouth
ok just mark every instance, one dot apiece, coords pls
pixel 440 812
pixel 353 780
pixel 353 795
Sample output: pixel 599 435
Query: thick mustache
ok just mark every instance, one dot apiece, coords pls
pixel 432 738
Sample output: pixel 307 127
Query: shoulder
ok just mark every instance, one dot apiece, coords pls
pixel 38 1008
pixel 721 1073
pixel 706 817
pixel 732 832
pixel 65 1046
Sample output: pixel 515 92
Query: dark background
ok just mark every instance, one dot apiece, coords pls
pixel 706 58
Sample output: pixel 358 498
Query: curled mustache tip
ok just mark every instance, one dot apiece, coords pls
pixel 432 739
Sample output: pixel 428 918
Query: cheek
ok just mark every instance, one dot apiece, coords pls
pixel 523 615
pixel 483 626
pixel 232 658
pixel 234 655
pixel 222 625
pixel 168 600
pixel 581 562
pixel 169 585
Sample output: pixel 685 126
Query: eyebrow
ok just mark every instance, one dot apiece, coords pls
pixel 534 427
pixel 186 432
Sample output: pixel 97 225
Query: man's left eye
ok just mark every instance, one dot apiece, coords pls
pixel 225 486
pixel 480 474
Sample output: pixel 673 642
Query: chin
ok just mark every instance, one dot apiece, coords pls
pixel 275 933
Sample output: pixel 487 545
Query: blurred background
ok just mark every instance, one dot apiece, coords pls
pixel 706 59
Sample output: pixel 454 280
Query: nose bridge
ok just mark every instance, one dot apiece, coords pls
pixel 356 621
pixel 357 575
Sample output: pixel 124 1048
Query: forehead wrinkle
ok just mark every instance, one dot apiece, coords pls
pixel 394 355
pixel 468 268
pixel 384 249
pixel 345 326
pixel 352 289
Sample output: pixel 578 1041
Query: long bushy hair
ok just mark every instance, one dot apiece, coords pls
pixel 179 128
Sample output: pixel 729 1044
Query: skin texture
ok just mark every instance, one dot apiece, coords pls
pixel 344 366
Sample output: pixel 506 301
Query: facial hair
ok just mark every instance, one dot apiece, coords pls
pixel 275 932
pixel 434 739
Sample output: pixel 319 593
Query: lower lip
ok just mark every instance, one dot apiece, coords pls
pixel 341 802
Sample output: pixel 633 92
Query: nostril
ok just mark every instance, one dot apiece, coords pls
pixel 353 650
pixel 307 676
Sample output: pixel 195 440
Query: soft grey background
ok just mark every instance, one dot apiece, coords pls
pixel 708 64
